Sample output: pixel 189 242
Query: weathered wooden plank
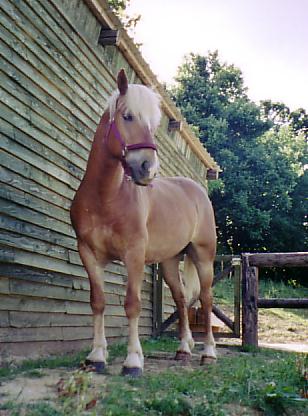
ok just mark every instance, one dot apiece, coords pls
pixel 76 333
pixel 10 193
pixel 29 274
pixel 30 334
pixel 33 304
pixel 39 177
pixel 23 228
pixel 38 57
pixel 74 257
pixel 47 148
pixel 223 317
pixel 19 319
pixel 46 116
pixel 250 303
pixel 14 210
pixel 32 245
pixel 19 60
pixel 4 285
pixel 283 303
pixel 26 288
pixel 43 334
pixel 83 45
pixel 4 319
pixel 52 40
pixel 40 91
pixel 15 271
pixel 28 156
pixel 27 185
pixel 278 259
pixel 237 295
pixel 11 255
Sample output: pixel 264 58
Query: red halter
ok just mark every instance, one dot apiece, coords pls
pixel 127 147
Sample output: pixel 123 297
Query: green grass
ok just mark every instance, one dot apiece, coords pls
pixel 224 291
pixel 31 367
pixel 269 381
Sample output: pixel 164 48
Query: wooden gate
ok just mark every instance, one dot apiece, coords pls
pixel 226 267
pixel 251 300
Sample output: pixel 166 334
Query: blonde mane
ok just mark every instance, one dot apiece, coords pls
pixel 142 102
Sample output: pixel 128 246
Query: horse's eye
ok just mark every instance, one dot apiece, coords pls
pixel 128 117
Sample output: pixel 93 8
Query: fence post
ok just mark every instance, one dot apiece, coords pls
pixel 250 303
pixel 236 263
pixel 157 299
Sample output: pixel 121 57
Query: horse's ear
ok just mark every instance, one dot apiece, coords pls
pixel 122 82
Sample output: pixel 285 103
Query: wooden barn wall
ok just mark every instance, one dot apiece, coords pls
pixel 55 80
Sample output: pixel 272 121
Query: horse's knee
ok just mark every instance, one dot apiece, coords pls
pixel 97 304
pixel 132 305
pixel 97 297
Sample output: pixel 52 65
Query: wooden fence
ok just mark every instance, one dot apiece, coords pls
pixel 246 297
pixel 250 295
pixel 230 266
pixel 55 80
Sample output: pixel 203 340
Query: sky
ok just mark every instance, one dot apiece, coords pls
pixel 266 39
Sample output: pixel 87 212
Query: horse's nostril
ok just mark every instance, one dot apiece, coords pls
pixel 145 166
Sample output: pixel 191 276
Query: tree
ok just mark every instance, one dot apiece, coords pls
pixel 129 22
pixel 260 149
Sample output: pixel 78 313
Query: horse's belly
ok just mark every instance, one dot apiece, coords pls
pixel 165 248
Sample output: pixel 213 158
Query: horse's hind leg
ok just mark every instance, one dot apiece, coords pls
pixel 203 258
pixel 98 355
pixel 174 281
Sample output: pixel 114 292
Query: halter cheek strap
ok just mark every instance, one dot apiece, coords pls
pixel 127 147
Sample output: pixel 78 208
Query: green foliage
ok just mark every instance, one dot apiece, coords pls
pixel 33 409
pixel 259 200
pixel 120 9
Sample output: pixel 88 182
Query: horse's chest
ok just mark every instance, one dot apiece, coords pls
pixel 108 238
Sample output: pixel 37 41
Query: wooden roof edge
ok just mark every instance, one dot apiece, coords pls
pixel 104 14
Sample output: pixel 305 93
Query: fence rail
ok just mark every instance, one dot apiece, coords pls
pixel 250 296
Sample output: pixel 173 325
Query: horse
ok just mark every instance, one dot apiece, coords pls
pixel 124 211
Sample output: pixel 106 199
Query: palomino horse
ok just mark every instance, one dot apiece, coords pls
pixel 115 219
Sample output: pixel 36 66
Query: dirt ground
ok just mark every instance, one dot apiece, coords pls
pixel 274 332
pixel 24 389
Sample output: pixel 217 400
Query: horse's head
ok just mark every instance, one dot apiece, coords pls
pixel 135 115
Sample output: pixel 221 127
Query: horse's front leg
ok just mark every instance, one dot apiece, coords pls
pixel 133 365
pixel 95 270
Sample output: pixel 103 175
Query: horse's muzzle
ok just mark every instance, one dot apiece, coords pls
pixel 142 165
pixel 142 173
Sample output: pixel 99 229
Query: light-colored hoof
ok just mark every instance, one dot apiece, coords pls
pixel 207 360
pixel 182 356
pixel 208 355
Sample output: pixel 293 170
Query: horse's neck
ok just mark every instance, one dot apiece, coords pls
pixel 104 172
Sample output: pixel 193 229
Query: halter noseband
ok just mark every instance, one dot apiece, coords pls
pixel 127 147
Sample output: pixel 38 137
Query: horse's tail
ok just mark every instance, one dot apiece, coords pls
pixel 191 281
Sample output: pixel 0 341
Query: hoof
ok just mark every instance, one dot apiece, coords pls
pixel 95 366
pixel 207 360
pixel 182 356
pixel 132 371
